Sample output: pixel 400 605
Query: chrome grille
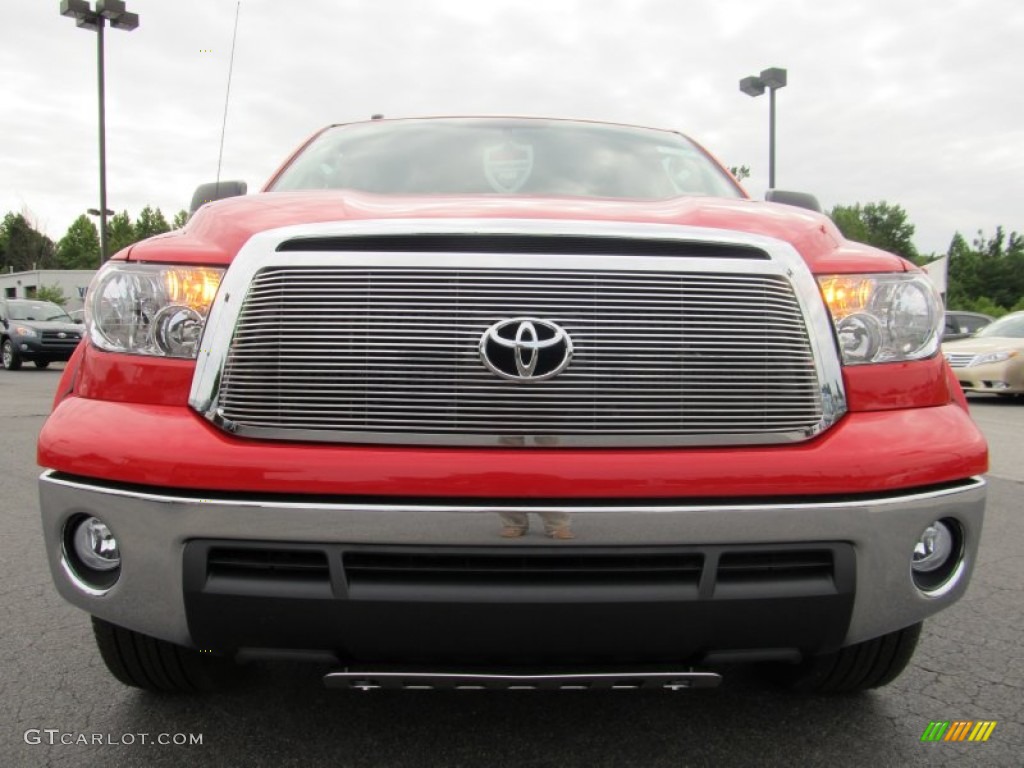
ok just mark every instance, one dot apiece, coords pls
pixel 353 353
pixel 961 360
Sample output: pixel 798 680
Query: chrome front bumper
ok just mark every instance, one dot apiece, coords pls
pixel 153 528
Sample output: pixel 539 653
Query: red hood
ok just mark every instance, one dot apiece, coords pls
pixel 219 229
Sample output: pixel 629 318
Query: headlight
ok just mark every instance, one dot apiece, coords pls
pixel 992 357
pixel 150 309
pixel 23 330
pixel 884 318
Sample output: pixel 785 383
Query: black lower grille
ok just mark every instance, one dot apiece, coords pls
pixel 512 604
pixel 753 574
pixel 265 563
pixel 734 570
pixel 514 569
pixel 735 567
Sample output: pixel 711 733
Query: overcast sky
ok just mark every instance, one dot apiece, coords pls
pixel 916 102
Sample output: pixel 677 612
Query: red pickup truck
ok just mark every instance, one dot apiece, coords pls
pixel 495 402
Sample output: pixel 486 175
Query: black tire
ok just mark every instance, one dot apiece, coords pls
pixel 858 667
pixel 11 358
pixel 42 363
pixel 156 665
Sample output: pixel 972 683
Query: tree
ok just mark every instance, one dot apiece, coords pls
pixel 180 219
pixel 150 222
pixel 53 293
pixel 879 224
pixel 740 172
pixel 23 247
pixel 80 246
pixel 120 232
pixel 987 276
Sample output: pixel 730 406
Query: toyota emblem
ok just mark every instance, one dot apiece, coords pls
pixel 526 349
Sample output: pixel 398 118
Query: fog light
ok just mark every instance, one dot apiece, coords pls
pixel 937 559
pixel 933 548
pixel 96 546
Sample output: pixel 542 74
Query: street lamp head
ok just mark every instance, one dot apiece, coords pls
pixel 774 78
pixel 752 86
pixel 118 16
pixel 106 10
pixel 90 22
pixel 96 211
pixel 127 22
pixel 110 9
pixel 75 9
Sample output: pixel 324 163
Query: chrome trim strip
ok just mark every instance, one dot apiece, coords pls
pixel 397 505
pixel 371 680
pixel 261 252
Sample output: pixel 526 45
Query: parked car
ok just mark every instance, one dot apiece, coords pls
pixel 960 325
pixel 37 331
pixel 992 361
pixel 493 402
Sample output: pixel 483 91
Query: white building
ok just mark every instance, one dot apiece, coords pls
pixel 24 285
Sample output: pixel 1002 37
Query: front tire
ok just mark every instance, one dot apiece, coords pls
pixel 858 667
pixel 156 665
pixel 11 358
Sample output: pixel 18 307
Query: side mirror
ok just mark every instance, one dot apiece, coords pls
pixel 215 190
pixel 798 199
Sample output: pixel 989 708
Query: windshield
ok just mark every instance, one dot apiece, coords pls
pixel 1011 326
pixel 36 310
pixel 486 156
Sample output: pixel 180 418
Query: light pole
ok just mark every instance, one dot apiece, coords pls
pixel 86 18
pixel 103 217
pixel 772 79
